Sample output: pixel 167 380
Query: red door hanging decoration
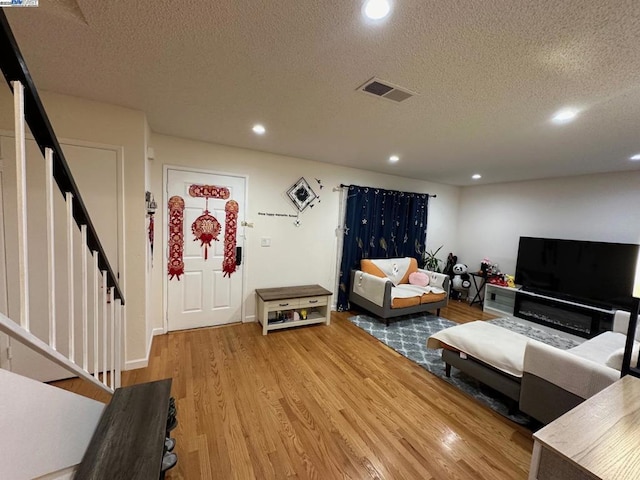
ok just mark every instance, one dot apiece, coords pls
pixel 176 237
pixel 231 225
pixel 209 191
pixel 206 227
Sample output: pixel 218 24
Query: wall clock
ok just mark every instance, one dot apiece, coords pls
pixel 301 194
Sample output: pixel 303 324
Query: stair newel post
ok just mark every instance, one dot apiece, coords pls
pixel 112 322
pixel 21 178
pixel 85 300
pixel 51 252
pixel 70 276
pixel 96 302
pixel 105 365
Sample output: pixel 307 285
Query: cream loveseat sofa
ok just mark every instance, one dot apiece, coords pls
pixel 543 381
pixel 382 287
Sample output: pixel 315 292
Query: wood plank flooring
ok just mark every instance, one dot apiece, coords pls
pixel 323 402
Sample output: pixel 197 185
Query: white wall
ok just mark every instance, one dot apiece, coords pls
pixel 602 207
pixel 44 429
pixel 298 255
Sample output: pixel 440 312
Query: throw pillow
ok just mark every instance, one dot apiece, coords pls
pixel 418 278
pixel 436 280
pixel 615 359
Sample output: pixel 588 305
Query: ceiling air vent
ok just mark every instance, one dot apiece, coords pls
pixel 382 89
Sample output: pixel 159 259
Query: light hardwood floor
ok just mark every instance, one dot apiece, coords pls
pixel 323 402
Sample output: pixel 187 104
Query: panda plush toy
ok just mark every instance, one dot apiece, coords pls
pixel 461 281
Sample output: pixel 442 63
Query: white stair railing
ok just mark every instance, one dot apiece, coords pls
pixel 106 312
pixel 100 313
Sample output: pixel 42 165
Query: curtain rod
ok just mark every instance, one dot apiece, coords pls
pixel 342 185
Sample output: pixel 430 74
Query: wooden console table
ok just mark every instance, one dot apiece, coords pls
pixel 312 298
pixel 596 440
pixel 129 440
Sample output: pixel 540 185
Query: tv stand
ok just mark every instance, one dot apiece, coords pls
pixel 568 316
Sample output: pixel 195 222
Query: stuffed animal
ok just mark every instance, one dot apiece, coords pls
pixel 461 281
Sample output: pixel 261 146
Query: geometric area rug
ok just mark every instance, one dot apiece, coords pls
pixel 408 336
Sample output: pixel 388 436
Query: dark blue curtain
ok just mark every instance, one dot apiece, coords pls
pixel 380 224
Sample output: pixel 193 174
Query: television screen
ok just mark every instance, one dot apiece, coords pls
pixel 594 273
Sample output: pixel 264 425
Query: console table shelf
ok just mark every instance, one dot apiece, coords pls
pixel 128 442
pixel 312 298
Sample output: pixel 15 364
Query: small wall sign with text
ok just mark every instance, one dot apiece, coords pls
pixel 286 215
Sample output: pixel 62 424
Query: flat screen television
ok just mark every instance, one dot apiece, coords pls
pixel 594 273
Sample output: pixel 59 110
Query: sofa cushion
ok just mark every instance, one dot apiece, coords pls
pixel 413 267
pixel 369 267
pixel 406 296
pixel 615 359
pixel 405 302
pixel 599 348
pixel 436 279
pixel 418 278
pixel 432 297
pixel 395 269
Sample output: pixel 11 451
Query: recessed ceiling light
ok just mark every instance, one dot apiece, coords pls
pixel 394 158
pixel 565 115
pixel 476 176
pixel 377 9
pixel 259 129
pixel 635 157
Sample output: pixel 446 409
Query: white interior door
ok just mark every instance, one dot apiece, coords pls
pixel 95 173
pixel 203 296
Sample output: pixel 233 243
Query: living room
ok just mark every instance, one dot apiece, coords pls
pixel 472 219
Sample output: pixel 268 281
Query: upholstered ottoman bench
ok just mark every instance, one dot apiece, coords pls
pixel 493 355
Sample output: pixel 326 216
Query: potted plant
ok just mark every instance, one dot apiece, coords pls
pixel 430 261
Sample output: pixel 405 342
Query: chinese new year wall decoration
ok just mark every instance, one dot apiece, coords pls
pixel 176 237
pixel 231 225
pixel 206 227
pixel 209 191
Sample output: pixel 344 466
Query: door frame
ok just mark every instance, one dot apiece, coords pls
pixel 165 236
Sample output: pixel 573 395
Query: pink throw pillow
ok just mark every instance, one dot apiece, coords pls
pixel 419 278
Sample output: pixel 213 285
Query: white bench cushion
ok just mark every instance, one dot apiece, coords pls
pixel 493 345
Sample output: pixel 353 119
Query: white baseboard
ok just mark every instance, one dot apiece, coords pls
pixel 143 362
pixel 249 319
pixel 138 363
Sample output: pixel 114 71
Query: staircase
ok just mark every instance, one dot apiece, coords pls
pixel 46 431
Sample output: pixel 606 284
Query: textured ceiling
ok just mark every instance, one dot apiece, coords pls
pixel 489 75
